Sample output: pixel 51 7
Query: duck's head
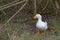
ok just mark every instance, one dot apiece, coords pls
pixel 37 16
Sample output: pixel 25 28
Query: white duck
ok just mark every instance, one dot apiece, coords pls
pixel 40 24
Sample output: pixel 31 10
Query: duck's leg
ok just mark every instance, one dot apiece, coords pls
pixel 44 33
pixel 38 32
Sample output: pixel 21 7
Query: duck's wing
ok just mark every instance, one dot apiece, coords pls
pixel 46 25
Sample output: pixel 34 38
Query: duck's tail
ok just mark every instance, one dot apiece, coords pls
pixel 46 23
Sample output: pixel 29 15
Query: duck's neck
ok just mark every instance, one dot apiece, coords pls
pixel 40 19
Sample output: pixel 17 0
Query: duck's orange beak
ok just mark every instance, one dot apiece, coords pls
pixel 34 17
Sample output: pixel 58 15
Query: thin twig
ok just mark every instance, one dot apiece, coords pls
pixel 54 7
pixel 9 36
pixel 57 5
pixel 53 4
pixel 46 5
pixel 35 7
pixel 14 14
pixel 40 1
pixel 3 12
pixel 8 4
pixel 12 5
pixel 12 37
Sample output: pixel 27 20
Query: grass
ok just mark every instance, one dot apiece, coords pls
pixel 17 31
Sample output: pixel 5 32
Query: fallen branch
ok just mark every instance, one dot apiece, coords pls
pixel 15 14
pixel 11 5
pixel 46 5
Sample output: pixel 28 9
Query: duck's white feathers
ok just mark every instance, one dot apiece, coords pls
pixel 41 25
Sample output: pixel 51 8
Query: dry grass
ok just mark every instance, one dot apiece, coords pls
pixel 17 31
